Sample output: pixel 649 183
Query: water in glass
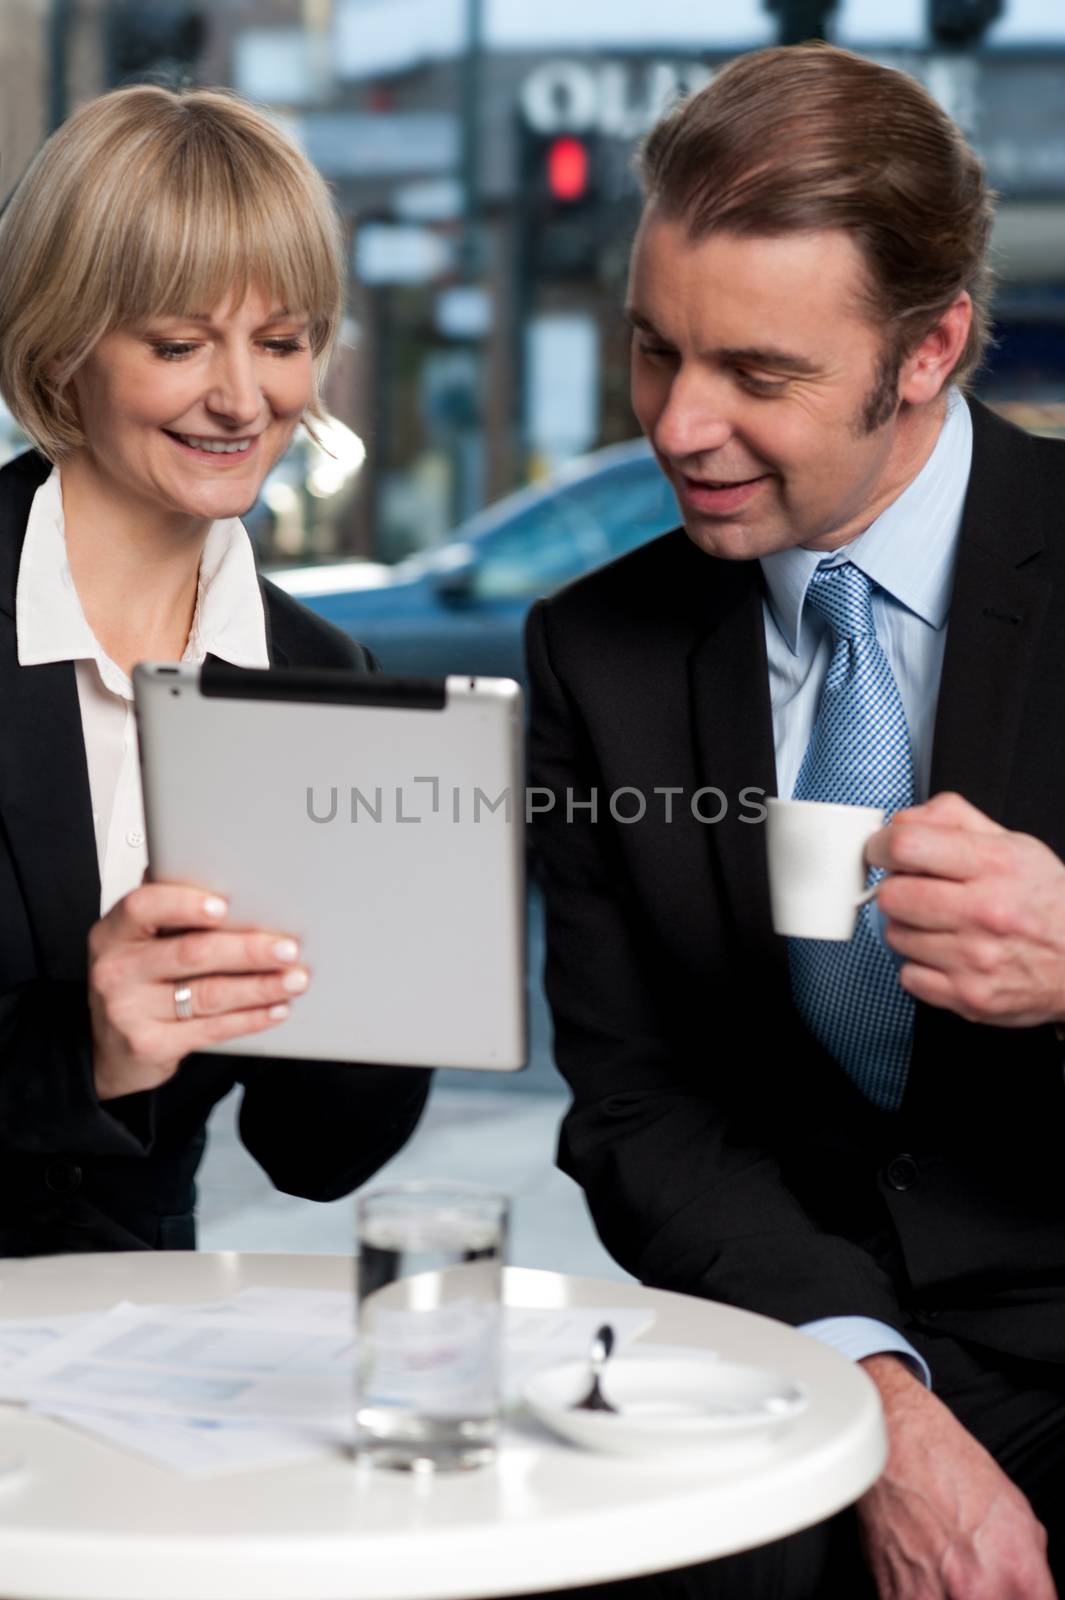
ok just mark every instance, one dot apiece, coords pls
pixel 429 1330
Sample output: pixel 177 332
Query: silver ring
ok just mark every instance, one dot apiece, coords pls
pixel 183 1002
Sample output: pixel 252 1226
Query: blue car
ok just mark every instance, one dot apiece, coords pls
pixel 461 607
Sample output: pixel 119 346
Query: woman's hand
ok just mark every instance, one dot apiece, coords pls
pixel 161 937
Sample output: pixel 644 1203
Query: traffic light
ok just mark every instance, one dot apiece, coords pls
pixel 559 201
pixel 557 171
pixel 961 22
pixel 567 169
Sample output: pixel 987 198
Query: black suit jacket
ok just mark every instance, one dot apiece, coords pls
pixel 722 1152
pixel 76 1174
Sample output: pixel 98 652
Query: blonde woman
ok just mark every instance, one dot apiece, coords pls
pixel 170 287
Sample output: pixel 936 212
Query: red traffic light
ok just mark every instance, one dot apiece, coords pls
pixel 567 168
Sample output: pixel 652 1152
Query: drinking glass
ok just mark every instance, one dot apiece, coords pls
pixel 429 1293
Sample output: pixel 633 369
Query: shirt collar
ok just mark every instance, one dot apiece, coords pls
pixel 908 550
pixel 50 624
pixel 229 621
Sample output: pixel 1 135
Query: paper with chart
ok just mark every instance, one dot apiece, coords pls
pixel 262 1378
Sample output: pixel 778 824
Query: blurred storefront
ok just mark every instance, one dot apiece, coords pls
pixel 481 153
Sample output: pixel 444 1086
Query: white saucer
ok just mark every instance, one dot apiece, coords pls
pixel 663 1405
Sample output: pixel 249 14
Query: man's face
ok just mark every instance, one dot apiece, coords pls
pixel 752 366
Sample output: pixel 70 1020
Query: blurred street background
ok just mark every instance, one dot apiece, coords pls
pixel 480 152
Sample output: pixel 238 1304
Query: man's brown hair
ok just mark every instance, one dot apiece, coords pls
pixel 813 137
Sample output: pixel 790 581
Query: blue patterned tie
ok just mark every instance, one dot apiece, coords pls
pixel 859 754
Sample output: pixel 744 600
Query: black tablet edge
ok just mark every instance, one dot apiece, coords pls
pixel 317 686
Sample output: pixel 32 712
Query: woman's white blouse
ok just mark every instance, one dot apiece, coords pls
pixel 50 625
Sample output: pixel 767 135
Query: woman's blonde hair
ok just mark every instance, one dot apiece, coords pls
pixel 149 202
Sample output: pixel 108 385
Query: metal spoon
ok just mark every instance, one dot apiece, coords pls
pixel 598 1356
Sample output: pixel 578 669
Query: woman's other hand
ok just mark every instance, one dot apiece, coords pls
pixel 163 937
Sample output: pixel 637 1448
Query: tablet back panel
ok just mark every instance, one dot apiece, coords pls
pixel 379 821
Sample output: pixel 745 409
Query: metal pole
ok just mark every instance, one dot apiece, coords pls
pixel 317 25
pixel 801 20
pixel 57 62
pixel 466 474
pixel 470 92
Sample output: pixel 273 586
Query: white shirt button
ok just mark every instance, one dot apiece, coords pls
pixel 134 838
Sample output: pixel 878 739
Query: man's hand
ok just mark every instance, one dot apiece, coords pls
pixel 943 1522
pixel 162 936
pixel 978 913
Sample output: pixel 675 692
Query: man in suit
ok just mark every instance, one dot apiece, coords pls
pixel 868 1151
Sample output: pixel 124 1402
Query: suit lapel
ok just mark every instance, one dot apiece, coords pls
pixel 997 610
pixel 45 805
pixel 275 654
pixel 733 731
pixel 997 613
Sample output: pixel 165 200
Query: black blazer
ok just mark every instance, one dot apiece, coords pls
pixel 722 1152
pixel 76 1174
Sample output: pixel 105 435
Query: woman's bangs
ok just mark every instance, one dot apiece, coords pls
pixel 198 254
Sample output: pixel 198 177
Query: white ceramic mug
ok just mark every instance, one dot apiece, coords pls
pixel 817 871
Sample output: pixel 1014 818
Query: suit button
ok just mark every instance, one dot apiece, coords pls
pixel 62 1177
pixel 901 1173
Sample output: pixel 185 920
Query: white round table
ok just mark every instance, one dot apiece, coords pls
pixel 86 1522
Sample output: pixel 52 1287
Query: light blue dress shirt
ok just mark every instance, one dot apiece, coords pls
pixel 909 552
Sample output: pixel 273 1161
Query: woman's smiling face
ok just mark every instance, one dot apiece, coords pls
pixel 188 414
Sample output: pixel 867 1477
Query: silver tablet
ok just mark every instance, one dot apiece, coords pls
pixel 378 820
